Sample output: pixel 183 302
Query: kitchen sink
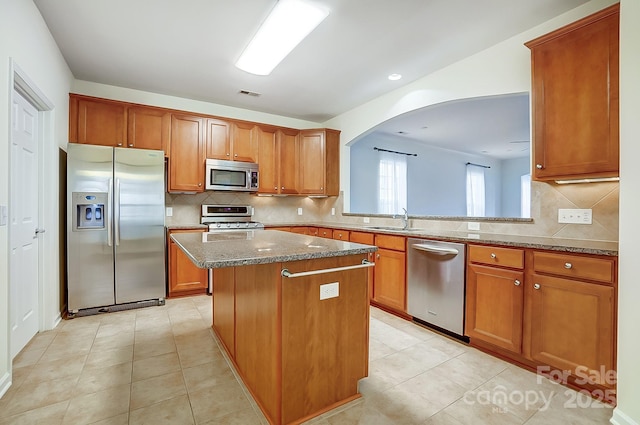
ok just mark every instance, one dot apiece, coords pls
pixel 393 228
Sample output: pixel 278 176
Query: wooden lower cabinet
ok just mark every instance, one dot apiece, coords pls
pixel 494 306
pixel 389 282
pixel 572 326
pixel 184 277
pixel 341 235
pixel 557 315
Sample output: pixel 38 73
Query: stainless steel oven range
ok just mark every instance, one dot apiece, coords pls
pixel 225 218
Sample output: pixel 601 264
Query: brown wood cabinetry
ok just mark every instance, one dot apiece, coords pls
pixel 544 308
pixel 367 239
pixel 389 282
pixel 319 163
pixel 244 142
pixel 277 158
pixel 218 139
pixel 342 235
pixel 97 121
pixel 149 128
pixel 575 99
pixel 324 232
pixel 187 156
pixel 184 277
pixel 571 320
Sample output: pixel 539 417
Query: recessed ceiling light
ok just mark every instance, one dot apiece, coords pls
pixel 287 25
pixel 394 77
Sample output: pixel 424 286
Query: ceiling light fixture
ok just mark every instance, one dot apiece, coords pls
pixel 394 77
pixel 287 25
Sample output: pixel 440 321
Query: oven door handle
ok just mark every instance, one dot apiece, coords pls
pixel 438 250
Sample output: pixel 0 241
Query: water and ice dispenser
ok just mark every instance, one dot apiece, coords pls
pixel 89 210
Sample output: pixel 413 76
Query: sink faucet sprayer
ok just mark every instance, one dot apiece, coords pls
pixel 405 219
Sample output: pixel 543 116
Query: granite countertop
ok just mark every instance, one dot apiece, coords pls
pixel 245 247
pixel 535 242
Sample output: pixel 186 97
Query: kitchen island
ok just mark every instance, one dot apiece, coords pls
pixel 292 312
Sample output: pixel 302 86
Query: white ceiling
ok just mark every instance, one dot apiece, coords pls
pixel 188 48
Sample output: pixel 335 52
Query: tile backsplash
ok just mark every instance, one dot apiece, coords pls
pixel 546 199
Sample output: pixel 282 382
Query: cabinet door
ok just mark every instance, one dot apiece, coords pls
pixel 184 277
pixel 149 128
pixel 186 171
pixel 224 300
pixel 218 140
pixel 572 325
pixel 312 162
pixel 389 283
pixel 494 306
pixel 244 142
pixel 102 123
pixel 575 100
pixel 268 161
pixel 288 166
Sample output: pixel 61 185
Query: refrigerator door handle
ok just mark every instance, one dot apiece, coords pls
pixel 116 212
pixel 110 214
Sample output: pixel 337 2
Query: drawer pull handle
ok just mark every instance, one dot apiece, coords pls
pixel 536 286
pixel 516 282
pixel 567 265
pixel 493 255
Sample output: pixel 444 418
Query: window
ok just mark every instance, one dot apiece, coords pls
pixel 392 183
pixel 475 191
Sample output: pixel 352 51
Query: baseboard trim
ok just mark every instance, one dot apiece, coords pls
pixel 5 383
pixel 620 418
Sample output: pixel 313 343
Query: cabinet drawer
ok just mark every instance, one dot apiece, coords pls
pixel 591 268
pixel 324 232
pixel 506 257
pixel 362 237
pixel 342 235
pixel 396 243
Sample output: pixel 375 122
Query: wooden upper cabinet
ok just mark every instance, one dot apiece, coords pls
pixel 575 99
pixel 268 163
pixel 149 128
pixel 244 142
pixel 288 164
pixel 218 139
pixel 187 156
pixel 97 121
pixel 319 163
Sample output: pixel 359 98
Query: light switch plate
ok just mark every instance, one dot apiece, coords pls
pixel 473 225
pixel 329 290
pixel 4 215
pixel 333 211
pixel 169 211
pixel 299 211
pixel 365 220
pixel 575 215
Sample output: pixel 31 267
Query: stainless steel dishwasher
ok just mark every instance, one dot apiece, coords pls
pixel 435 283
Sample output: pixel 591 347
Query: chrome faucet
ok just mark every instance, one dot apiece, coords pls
pixel 405 219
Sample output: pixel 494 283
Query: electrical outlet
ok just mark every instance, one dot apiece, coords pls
pixel 299 211
pixel 169 211
pixel 333 211
pixel 473 225
pixel 366 220
pixel 329 290
pixel 575 215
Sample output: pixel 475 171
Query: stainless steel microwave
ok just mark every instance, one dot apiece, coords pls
pixel 231 175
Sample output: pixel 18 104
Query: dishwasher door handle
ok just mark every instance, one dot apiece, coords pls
pixel 435 249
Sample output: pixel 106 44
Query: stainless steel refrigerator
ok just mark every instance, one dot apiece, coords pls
pixel 115 227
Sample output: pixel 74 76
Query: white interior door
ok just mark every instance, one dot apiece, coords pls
pixel 23 219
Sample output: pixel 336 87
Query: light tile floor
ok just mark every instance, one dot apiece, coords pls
pixel 163 365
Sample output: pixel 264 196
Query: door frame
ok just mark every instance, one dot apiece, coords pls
pixel 20 82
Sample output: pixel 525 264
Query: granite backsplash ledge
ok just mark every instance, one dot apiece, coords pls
pixel 547 198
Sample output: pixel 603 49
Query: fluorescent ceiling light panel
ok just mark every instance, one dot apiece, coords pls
pixel 287 25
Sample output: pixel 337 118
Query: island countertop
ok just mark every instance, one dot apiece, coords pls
pixel 241 248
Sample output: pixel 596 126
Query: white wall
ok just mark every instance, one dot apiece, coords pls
pixel 628 410
pixel 25 38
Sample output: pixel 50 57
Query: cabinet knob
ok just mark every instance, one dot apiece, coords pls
pixel 119 144
pixel 199 184
pixel 516 282
pixel 275 188
pixel 227 153
pixel 235 156
pixel 568 265
pixel 130 145
pixel 493 255
pixel 378 256
pixel 282 188
pixel 536 286
pixel 539 166
pixel 321 188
